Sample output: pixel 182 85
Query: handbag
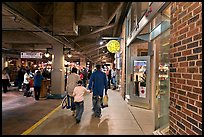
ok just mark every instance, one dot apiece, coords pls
pixel 105 101
pixel 66 102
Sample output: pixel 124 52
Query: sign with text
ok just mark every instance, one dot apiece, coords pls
pixel 35 55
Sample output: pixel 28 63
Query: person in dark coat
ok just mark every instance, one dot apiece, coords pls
pixel 37 84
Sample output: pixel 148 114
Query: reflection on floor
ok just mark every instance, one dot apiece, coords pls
pixel 117 119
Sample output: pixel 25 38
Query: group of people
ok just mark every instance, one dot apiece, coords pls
pixel 25 79
pixel 37 78
pixel 98 85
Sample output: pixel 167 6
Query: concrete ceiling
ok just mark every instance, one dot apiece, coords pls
pixel 76 25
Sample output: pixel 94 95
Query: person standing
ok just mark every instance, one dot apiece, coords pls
pixel 97 83
pixel 72 80
pixel 20 78
pixel 78 94
pixel 37 84
pixel 109 77
pixel 5 80
pixel 113 78
pixel 26 82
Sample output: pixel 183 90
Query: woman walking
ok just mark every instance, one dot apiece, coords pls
pixel 5 80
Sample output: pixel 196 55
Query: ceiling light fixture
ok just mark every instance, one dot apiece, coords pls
pixel 47 54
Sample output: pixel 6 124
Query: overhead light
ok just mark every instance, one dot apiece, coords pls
pixel 47 55
pixel 101 43
pixel 69 55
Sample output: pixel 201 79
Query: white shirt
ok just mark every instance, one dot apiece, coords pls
pixel 26 78
pixel 79 93
pixel 5 76
pixel 113 73
pixel 72 80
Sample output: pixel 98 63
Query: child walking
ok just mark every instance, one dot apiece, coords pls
pixel 78 94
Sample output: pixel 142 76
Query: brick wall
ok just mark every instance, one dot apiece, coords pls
pixel 186 68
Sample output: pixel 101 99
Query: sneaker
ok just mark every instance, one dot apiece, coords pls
pixel 20 90
pixel 73 113
pixel 77 121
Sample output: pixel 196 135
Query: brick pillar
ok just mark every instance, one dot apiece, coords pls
pixel 186 68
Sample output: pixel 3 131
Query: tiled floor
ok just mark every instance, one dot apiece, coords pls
pixel 117 119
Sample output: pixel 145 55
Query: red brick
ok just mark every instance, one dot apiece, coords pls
pixel 181 25
pixel 198 36
pixel 187 76
pixel 192 70
pixel 191 95
pixel 183 30
pixel 190 131
pixel 187 5
pixel 187 88
pixel 188 16
pixel 192 82
pixel 186 52
pixel 177 86
pixel 183 64
pixel 197 90
pixel 197 117
pixel 200 84
pixel 181 81
pixel 191 63
pixel 175 64
pixel 200 111
pixel 173 79
pixel 190 101
pixel 183 70
pixel 191 26
pixel 186 123
pixel 186 111
pixel 177 75
pixel 197 10
pixel 181 103
pixel 199 23
pixel 173 49
pixel 192 7
pixel 182 37
pixel 193 32
pixel 198 104
pixel 197 77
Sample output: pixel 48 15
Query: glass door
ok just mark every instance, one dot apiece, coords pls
pixel 163 80
pixel 140 82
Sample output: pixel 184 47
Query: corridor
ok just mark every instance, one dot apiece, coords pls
pixel 118 119
pixel 45 118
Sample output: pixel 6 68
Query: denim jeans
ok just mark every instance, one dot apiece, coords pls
pixel 79 109
pixel 97 100
pixel 73 106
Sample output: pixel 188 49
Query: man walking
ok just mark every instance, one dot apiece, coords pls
pixel 97 83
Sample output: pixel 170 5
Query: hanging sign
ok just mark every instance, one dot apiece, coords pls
pixel 34 55
pixel 113 46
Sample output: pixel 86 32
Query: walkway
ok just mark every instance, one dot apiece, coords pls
pixel 118 119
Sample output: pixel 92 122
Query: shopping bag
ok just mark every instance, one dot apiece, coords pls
pixel 105 101
pixel 66 102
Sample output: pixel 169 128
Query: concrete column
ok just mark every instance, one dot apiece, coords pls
pixel 82 62
pixel 57 74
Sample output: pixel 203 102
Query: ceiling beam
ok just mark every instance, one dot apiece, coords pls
pixel 94 49
pixel 94 32
pixel 115 12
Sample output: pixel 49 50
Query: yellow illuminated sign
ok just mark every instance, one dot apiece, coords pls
pixel 113 46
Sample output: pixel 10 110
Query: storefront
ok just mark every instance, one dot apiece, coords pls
pixel 147 57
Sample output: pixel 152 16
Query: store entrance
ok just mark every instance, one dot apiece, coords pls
pixel 140 82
